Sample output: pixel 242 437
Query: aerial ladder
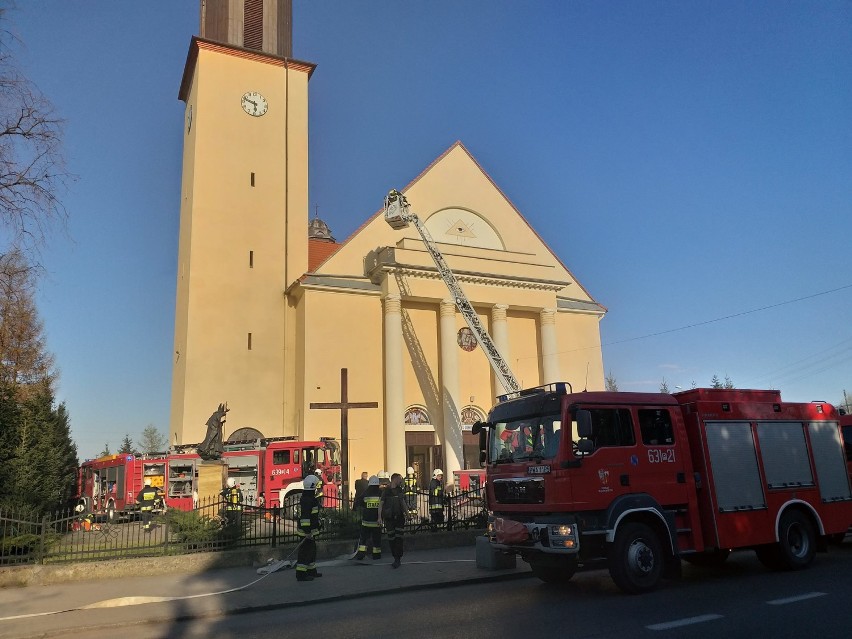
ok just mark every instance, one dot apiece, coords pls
pixel 399 216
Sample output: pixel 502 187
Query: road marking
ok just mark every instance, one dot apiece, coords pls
pixel 808 595
pixel 668 625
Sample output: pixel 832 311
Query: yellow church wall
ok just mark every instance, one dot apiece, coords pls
pixel 233 244
pixel 580 355
pixel 420 360
pixel 179 381
pixel 345 331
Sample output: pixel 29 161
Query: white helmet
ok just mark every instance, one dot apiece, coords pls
pixel 318 472
pixel 310 482
pixel 231 482
pixel 438 473
pixel 409 470
pixel 147 481
pixel 383 474
pixel 374 481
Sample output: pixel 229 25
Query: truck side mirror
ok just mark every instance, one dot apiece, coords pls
pixel 482 431
pixel 584 424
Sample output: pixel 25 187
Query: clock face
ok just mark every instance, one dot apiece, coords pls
pixel 254 103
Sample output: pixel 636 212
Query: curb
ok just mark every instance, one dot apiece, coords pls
pixel 195 563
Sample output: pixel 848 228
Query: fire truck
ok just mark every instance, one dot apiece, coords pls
pixel 640 481
pixel 269 472
pixel 846 430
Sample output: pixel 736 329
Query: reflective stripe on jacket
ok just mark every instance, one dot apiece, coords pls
pixel 436 495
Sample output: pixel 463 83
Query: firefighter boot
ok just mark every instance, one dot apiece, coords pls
pixel 301 575
pixel 313 573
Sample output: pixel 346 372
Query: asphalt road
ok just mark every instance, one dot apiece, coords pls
pixel 740 599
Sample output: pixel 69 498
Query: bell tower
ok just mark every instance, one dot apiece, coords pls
pixel 243 220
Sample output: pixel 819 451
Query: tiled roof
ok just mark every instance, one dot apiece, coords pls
pixel 319 251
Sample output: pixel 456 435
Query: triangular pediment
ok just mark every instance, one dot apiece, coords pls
pixel 475 226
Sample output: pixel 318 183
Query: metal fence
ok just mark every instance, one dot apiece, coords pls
pixel 69 536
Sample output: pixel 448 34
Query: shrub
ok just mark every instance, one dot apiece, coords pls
pixel 193 529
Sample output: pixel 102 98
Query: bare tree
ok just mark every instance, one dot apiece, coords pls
pixel 24 358
pixel 152 440
pixel 33 175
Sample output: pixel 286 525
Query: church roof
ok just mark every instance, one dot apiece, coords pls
pixel 319 250
pixel 458 144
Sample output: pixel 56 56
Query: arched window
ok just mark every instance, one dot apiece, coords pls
pixel 245 435
pixel 472 414
pixel 416 416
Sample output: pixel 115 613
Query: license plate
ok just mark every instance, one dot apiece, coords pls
pixel 538 470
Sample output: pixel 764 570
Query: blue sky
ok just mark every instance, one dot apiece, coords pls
pixel 688 161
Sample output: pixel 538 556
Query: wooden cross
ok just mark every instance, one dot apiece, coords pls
pixel 343 406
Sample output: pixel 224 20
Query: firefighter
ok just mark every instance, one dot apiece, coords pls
pixel 306 567
pixel 436 499
pixel 410 491
pixel 319 491
pixel 146 499
pixel 233 502
pixel 392 515
pixel 371 529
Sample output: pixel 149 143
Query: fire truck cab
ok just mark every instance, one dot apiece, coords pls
pixel 640 481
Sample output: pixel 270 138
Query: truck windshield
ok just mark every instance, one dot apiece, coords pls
pixel 535 437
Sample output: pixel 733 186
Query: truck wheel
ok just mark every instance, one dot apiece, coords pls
pixel 556 570
pixel 796 541
pixel 636 558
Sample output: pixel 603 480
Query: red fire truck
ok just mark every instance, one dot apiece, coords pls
pixel 641 481
pixel 270 468
pixel 846 431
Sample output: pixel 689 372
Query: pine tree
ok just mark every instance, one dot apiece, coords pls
pixel 611 384
pixel 728 383
pixel 106 451
pixel 664 387
pixel 45 462
pixel 10 434
pixel 126 447
pixel 715 383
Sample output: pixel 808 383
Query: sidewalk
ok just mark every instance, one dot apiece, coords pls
pixel 72 607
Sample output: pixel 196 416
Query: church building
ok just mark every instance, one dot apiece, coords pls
pixel 282 321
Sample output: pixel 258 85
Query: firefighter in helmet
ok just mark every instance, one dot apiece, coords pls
pixel 410 491
pixel 306 567
pixel 436 499
pixel 319 491
pixel 233 497
pixel 146 499
pixel 371 529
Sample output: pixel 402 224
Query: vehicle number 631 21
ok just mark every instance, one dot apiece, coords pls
pixel 661 455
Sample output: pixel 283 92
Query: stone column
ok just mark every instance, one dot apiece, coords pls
pixel 394 406
pixel 500 335
pixel 452 431
pixel 549 351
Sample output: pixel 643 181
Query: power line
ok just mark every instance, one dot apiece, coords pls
pixel 727 317
pixel 697 324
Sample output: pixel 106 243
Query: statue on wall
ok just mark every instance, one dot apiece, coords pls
pixel 211 447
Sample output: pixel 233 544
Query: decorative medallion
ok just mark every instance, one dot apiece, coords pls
pixel 466 339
